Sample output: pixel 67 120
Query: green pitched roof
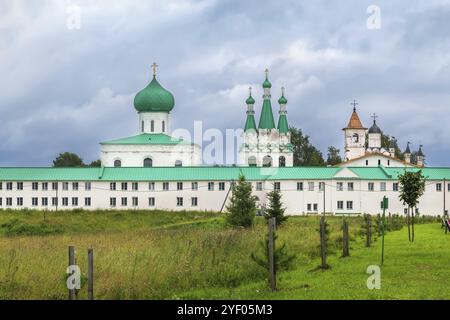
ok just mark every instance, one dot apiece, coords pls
pixel 266 120
pixel 147 138
pixel 206 173
pixel 154 98
pixel 283 124
pixel 250 123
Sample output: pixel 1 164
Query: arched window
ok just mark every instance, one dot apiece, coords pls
pixel 117 163
pixel 148 163
pixel 152 125
pixel 355 138
pixel 142 126
pixel 267 161
pixel 252 161
pixel 178 163
pixel 163 126
pixel 282 161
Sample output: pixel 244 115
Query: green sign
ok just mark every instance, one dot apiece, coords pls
pixel 385 203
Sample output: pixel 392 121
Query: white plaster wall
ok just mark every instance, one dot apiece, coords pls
pixel 373 162
pixel 353 149
pixel 364 201
pixel 158 118
pixel 162 155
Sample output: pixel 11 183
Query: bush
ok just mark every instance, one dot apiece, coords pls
pixel 16 227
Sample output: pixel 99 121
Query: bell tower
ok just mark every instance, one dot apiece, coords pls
pixel 355 136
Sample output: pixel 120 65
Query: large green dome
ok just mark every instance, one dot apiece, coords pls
pixel 154 98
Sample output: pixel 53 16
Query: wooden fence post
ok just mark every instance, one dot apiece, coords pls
pixel 272 271
pixel 71 263
pixel 323 246
pixel 90 274
pixel 345 249
pixel 368 230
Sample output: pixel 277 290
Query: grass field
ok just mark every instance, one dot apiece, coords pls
pixel 168 255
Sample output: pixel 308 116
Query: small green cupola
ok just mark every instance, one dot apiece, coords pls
pixel 283 126
pixel 266 83
pixel 266 120
pixel 250 123
pixel 154 98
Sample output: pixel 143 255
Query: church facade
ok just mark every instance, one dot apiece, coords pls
pixel 153 170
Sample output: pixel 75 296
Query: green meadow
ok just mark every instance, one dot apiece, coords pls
pixel 194 255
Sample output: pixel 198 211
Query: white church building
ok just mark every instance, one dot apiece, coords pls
pixel 153 170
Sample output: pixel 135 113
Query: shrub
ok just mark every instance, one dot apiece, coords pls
pixel 16 227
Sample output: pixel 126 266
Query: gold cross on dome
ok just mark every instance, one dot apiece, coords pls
pixel 154 67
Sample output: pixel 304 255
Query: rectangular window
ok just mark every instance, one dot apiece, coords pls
pixel 1 201
pixel 179 201
pixel 165 186
pixel 54 185
pixel 124 186
pixel 112 202
pixel 315 207
pixel 87 186
pixel 112 186
pixel 210 186
pixel 19 202
pixel 194 186
pixel 54 201
pixel 300 186
pixel 321 186
pixel 135 186
pixel 124 202
pixel 74 201
pixel 1 185
pixel 340 186
pixel 439 187
pixel 19 185
pixel 340 205
pixel 276 186
pixel 44 202
pixel 151 186
pixel 35 186
pixel 310 186
pixel 350 186
pixel 45 186
pixel 34 201
pixel 259 186
pixel 9 202
pixel 9 186
pixel 395 186
pixel 87 202
pixel 448 187
pixel 194 201
pixel 221 186
pixel 65 186
pixel 349 205
pixel 382 186
pixel 65 201
pixel 179 185
pixel 371 186
pixel 309 207
pixel 135 201
pixel 75 186
pixel 151 202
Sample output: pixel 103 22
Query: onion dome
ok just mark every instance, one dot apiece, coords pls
pixel 154 98
pixel 266 83
pixel 250 99
pixel 374 128
pixel 282 99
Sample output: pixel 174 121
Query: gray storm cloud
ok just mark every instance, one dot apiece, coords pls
pixel 67 90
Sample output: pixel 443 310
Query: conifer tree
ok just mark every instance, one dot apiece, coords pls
pixel 275 209
pixel 242 207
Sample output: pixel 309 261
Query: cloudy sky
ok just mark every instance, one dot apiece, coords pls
pixel 66 89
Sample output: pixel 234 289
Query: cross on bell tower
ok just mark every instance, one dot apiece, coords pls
pixel 354 104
